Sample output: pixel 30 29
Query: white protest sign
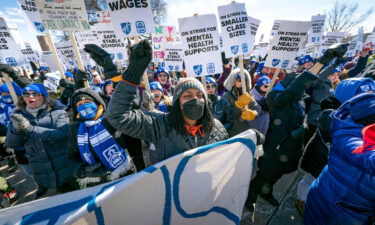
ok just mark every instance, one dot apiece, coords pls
pixel 66 54
pixel 31 11
pixel 64 15
pixel 317 29
pixel 30 55
pixel 370 38
pixel 131 18
pixel 9 51
pixel 200 43
pixel 107 38
pixel 287 43
pixel 168 32
pixel 360 34
pixel 52 81
pixel 48 61
pixel 86 37
pixel 235 29
pixel 173 57
pixel 352 49
pixel 158 52
pixel 275 28
pixel 329 39
pixel 254 25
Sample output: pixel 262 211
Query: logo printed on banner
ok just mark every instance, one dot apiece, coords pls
pixel 210 68
pixel 176 68
pixel 71 63
pixel 245 48
pixel 197 69
pixel 39 26
pixel 170 67
pixel 285 64
pixel 234 49
pixel 11 61
pixel 141 27
pixel 113 156
pixel 275 62
pixel 119 56
pixel 313 39
pixel 126 28
pixel 112 56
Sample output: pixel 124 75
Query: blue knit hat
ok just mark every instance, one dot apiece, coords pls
pixel 162 70
pixel 362 106
pixel 260 67
pixel 305 59
pixel 17 89
pixel 210 80
pixel 39 88
pixel 68 74
pixel 156 86
pixel 262 81
pixel 353 86
pixel 43 68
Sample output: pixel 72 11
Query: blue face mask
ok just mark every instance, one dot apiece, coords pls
pixel 7 99
pixel 87 110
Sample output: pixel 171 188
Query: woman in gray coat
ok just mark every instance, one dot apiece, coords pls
pixel 41 126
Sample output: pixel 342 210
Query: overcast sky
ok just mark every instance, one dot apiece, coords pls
pixel 265 10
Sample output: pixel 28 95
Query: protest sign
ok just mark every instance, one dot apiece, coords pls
pixel 65 52
pixel 275 28
pixel 30 55
pixel 317 29
pixel 352 49
pixel 235 29
pixel 370 38
pixel 168 32
pixel 160 194
pixel 9 51
pixel 47 60
pixel 158 52
pixel 86 37
pixel 360 34
pixel 31 11
pixel 173 57
pixel 287 43
pixel 131 18
pixel 200 43
pixel 64 15
pixel 254 25
pixel 107 38
pixel 52 81
pixel 329 39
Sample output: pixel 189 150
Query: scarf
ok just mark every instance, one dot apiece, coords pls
pixel 105 146
pixel 5 111
pixel 35 111
pixel 194 130
pixel 368 140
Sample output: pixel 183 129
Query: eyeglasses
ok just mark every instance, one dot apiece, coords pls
pixel 210 86
pixel 28 94
pixel 162 75
pixel 266 86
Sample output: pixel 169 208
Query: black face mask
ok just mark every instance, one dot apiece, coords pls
pixel 193 109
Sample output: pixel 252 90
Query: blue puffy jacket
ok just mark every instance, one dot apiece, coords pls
pixel 344 193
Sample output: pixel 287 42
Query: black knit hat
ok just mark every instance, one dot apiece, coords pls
pixel 81 96
pixel 187 83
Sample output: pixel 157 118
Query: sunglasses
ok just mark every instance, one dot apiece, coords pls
pixel 162 75
pixel 28 94
pixel 266 86
pixel 210 86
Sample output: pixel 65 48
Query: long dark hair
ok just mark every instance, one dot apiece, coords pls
pixel 177 121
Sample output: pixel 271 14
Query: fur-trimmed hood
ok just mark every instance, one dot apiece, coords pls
pixel 229 82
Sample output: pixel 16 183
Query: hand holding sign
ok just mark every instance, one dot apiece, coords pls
pixel 335 51
pixel 5 68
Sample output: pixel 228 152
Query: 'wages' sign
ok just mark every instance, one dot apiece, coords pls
pixel 65 15
pixel 235 29
pixel 131 17
pixel 173 57
pixel 31 11
pixel 287 43
pixel 9 52
pixel 200 43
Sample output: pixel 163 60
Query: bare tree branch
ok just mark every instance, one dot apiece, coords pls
pixel 159 10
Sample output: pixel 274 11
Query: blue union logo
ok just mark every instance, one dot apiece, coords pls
pixel 210 68
pixel 141 27
pixel 275 62
pixel 285 64
pixel 126 28
pixel 11 61
pixel 197 69
pixel 245 48
pixel 39 26
pixel 234 49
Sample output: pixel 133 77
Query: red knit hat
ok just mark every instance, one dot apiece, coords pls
pixel 368 140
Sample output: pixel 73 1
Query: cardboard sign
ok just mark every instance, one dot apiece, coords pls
pixel 9 51
pixel 200 43
pixel 173 57
pixel 317 29
pixel 52 81
pixel 64 15
pixel 131 18
pixel 235 29
pixel 66 54
pixel 287 43
pixel 31 11
pixel 254 25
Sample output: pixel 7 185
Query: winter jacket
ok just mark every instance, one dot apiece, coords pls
pixel 45 144
pixel 261 122
pixel 220 82
pixel 344 193
pixel 214 106
pixel 361 65
pixel 168 88
pixel 282 149
pixel 154 127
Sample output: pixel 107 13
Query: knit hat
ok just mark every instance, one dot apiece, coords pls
pixel 162 70
pixel 17 89
pixel 39 88
pixel 187 83
pixel 260 67
pixel 353 86
pixel 81 96
pixel 305 59
pixel 262 81
pixel 156 86
pixel 368 134
pixel 362 106
pixel 211 80
pixel 43 68
pixel 68 74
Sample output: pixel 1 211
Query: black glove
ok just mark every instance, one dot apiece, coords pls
pixel 81 75
pixel 260 137
pixel 140 57
pixel 20 123
pixel 335 51
pixel 223 59
pixel 330 102
pixel 34 66
pixel 9 70
pixel 103 59
pixel 65 83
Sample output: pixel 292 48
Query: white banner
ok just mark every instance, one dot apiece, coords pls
pixel 235 29
pixel 286 45
pixel 173 58
pixel 131 18
pixel 317 29
pixel 31 11
pixel 200 43
pixel 254 25
pixel 52 81
pixel 207 185
pixel 9 51
pixel 63 15
pixel 66 54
